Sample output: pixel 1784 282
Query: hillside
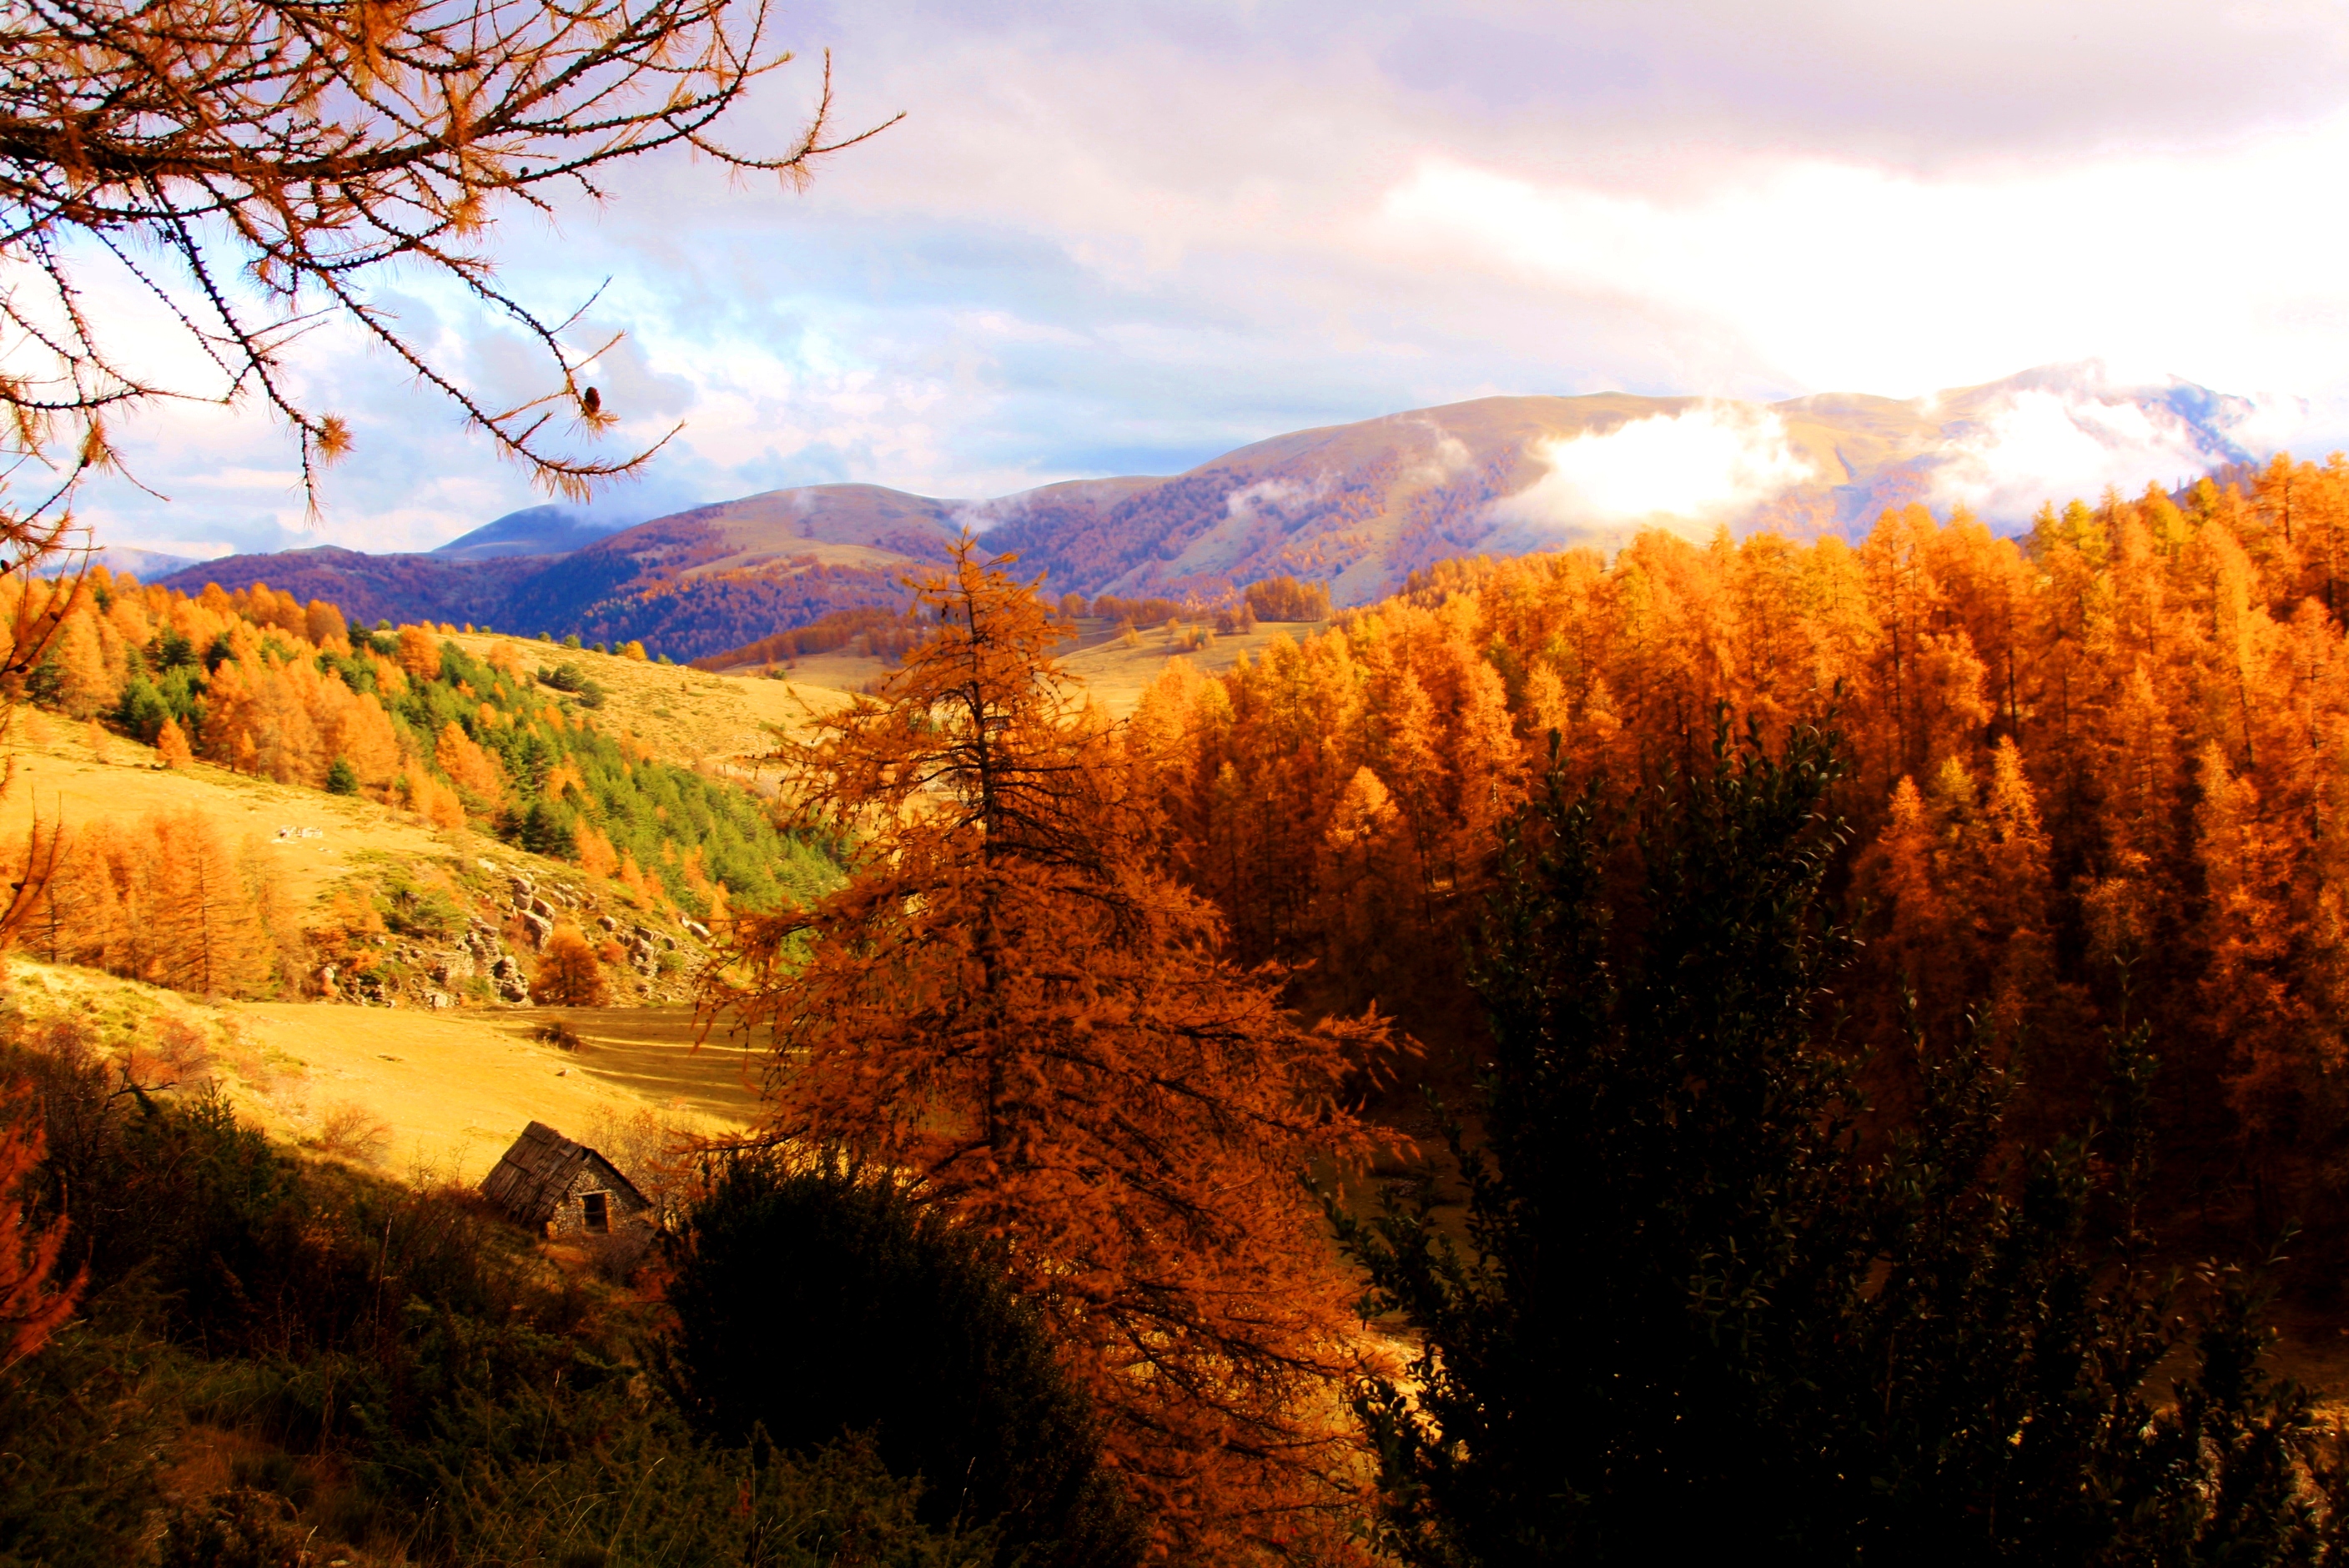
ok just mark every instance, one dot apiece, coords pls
pixel 240 795
pixel 1358 506
pixel 427 1096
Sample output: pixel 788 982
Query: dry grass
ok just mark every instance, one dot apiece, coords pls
pixel 680 715
pixel 448 1092
pixel 1116 674
pixel 58 777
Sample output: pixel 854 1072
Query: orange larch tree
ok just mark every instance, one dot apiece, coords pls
pixel 33 1301
pixel 1006 1005
pixel 569 972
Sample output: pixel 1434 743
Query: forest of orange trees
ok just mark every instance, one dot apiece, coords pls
pixel 263 685
pixel 1834 1045
pixel 2097 772
pixel 1670 995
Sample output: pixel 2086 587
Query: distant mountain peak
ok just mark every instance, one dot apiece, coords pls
pixel 552 528
pixel 1358 506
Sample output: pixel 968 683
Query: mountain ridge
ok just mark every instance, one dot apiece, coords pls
pixel 1358 506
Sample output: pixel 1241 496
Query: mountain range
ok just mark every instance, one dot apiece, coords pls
pixel 1359 507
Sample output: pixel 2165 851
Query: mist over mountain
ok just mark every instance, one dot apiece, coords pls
pixel 1358 506
pixel 146 566
pixel 552 528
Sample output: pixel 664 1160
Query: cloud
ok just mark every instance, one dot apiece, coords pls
pixel 1448 458
pixel 2042 446
pixel 1690 471
pixel 1857 277
pixel 1125 239
pixel 1249 502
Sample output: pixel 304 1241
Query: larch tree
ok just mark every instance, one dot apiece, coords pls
pixel 1006 1004
pixel 215 937
pixel 33 1302
pixel 172 746
pixel 569 972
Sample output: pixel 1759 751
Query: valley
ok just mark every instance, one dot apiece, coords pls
pixel 1215 787
pixel 383 897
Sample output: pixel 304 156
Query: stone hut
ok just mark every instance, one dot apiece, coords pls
pixel 563 1188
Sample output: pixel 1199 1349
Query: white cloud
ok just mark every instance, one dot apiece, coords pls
pixel 1854 276
pixel 1690 471
pixel 1124 240
pixel 2044 445
pixel 1248 502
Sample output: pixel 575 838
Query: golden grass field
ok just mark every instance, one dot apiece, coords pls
pixel 681 713
pixel 429 1095
pixel 1114 674
pixel 60 779
pixel 1117 674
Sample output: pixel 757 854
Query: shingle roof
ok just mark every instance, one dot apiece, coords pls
pixel 536 1173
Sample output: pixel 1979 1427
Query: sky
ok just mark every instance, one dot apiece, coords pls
pixel 1124 239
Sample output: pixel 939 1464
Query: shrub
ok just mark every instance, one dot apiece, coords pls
pixel 578 683
pixel 395 1369
pixel 430 910
pixel 817 1301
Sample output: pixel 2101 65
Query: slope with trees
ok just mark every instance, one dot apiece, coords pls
pixel 1008 1006
pixel 2103 758
pixel 1706 1308
pixel 260 684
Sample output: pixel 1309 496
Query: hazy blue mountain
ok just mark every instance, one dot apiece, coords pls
pixel 123 560
pixel 1359 506
pixel 550 530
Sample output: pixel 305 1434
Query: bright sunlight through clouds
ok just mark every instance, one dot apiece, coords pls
pixel 1123 240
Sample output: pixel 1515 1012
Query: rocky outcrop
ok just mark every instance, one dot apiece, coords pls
pixel 488 962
